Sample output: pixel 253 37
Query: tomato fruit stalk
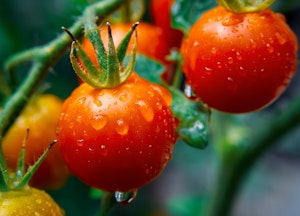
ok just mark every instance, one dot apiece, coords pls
pixel 239 63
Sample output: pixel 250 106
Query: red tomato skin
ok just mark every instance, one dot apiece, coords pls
pixel 117 139
pixel 239 63
pixel 161 16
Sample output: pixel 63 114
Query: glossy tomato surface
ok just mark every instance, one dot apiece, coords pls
pixel 161 16
pixel 239 63
pixel 28 201
pixel 117 139
pixel 40 116
pixel 151 40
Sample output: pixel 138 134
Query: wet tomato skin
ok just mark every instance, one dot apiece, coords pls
pixel 28 201
pixel 239 63
pixel 117 139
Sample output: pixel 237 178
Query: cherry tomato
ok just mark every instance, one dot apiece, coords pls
pixel 28 201
pixel 117 139
pixel 161 16
pixel 151 40
pixel 40 116
pixel 239 63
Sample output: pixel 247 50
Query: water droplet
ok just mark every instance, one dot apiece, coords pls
pixel 159 105
pixel 80 142
pixel 230 60
pixel 91 150
pixel 281 39
pixel 103 150
pixel 81 100
pixel 98 103
pixel 125 198
pixel 38 201
pixel 196 43
pixel 146 111
pixel 79 119
pixel 213 50
pixel 207 70
pixel 123 97
pixel 99 121
pixel 238 56
pixel 252 43
pixel 71 125
pixel 150 93
pixel 122 127
pixel 270 48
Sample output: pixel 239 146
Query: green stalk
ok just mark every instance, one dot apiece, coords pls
pixel 232 170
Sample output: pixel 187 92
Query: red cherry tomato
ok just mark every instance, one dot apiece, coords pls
pixel 161 16
pixel 117 139
pixel 40 116
pixel 239 63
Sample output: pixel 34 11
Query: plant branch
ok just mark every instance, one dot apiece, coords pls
pixel 233 170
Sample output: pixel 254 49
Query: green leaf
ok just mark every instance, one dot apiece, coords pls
pixel 149 69
pixel 193 118
pixel 186 12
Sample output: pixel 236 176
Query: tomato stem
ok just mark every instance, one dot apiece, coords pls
pixel 233 170
pixel 110 71
pixel 245 6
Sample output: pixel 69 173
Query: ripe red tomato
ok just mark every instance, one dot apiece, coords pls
pixel 41 117
pixel 117 139
pixel 28 201
pixel 239 62
pixel 161 16
pixel 151 40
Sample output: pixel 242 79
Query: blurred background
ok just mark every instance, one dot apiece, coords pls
pixel 272 186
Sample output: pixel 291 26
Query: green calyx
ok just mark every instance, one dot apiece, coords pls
pixel 245 6
pixel 111 71
pixel 20 178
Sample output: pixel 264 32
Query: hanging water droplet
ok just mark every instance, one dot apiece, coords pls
pixel 98 122
pixel 122 127
pixel 146 111
pixel 125 198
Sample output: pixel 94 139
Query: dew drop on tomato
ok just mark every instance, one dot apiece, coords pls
pixel 146 111
pixel 125 198
pixel 98 122
pixel 123 97
pixel 80 142
pixel 122 127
